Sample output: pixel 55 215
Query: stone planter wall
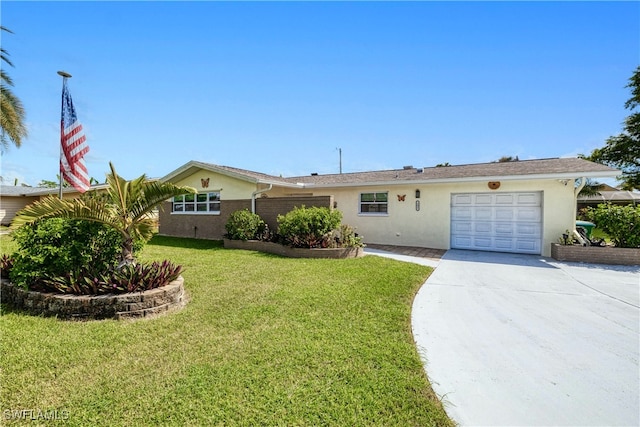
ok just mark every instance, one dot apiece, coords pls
pixel 278 249
pixel 84 307
pixel 595 254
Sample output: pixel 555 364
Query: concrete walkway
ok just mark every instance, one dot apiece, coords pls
pixel 523 340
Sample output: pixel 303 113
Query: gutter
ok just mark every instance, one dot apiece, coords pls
pixel 255 193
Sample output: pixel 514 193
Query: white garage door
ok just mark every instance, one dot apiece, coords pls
pixel 504 222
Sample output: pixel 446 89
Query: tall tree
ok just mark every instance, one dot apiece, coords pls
pixel 12 115
pixel 125 206
pixel 623 151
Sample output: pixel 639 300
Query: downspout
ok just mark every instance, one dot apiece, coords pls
pixel 576 191
pixel 255 193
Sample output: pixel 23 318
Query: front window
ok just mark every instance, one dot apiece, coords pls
pixel 197 203
pixel 374 203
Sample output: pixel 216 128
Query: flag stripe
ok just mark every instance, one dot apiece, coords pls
pixel 74 146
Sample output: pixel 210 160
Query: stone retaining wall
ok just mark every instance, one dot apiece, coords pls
pixel 278 249
pixel 85 307
pixel 595 254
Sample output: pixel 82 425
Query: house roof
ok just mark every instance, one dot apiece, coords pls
pixel 22 191
pixel 243 174
pixel 557 168
pixel 612 196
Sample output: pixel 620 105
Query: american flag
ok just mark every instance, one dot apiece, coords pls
pixel 74 146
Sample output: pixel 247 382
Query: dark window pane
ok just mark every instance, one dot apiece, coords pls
pixel 366 197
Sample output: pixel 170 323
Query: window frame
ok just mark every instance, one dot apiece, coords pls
pixel 196 204
pixel 374 202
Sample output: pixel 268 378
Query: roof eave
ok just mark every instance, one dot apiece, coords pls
pixel 559 176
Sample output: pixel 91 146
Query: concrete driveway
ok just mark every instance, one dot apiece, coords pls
pixel 523 340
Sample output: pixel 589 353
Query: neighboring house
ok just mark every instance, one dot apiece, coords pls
pixel 520 206
pixel 610 195
pixel 15 198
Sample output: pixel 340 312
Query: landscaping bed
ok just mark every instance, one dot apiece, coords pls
pixel 87 307
pixel 278 249
pixel 596 254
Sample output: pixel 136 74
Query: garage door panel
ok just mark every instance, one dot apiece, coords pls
pixel 504 199
pixel 505 214
pixel 528 230
pixel 483 214
pixel 462 242
pixel 483 199
pixel 532 199
pixel 483 228
pixel 458 227
pixel 462 199
pixel 504 228
pixel 528 214
pixel 482 243
pixel 504 244
pixel 507 222
pixel 461 213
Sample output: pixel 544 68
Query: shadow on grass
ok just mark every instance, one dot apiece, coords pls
pixel 185 242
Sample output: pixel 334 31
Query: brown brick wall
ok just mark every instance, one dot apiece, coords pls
pixel 596 254
pixel 212 226
pixel 197 225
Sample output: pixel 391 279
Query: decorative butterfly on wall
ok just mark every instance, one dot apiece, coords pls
pixel 204 182
pixel 401 197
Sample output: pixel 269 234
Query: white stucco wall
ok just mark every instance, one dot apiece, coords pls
pixel 430 226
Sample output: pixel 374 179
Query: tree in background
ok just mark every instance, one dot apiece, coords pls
pixel 623 151
pixel 12 115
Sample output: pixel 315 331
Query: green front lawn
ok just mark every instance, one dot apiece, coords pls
pixel 264 341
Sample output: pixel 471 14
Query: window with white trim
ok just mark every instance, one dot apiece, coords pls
pixel 374 203
pixel 197 203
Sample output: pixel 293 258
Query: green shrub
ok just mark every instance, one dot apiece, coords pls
pixel 621 223
pixel 308 227
pixel 244 225
pixel 346 237
pixel 56 247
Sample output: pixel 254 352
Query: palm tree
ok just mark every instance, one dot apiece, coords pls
pixel 12 115
pixel 126 206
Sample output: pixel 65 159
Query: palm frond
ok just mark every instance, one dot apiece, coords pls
pixel 52 207
pixel 154 193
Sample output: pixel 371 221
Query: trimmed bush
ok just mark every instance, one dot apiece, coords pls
pixel 309 227
pixel 56 247
pixel 621 223
pixel 244 225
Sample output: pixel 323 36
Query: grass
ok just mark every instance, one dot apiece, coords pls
pixel 264 340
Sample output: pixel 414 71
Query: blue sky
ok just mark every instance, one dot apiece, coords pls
pixel 279 87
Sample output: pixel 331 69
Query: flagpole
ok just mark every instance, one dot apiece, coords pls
pixel 64 76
